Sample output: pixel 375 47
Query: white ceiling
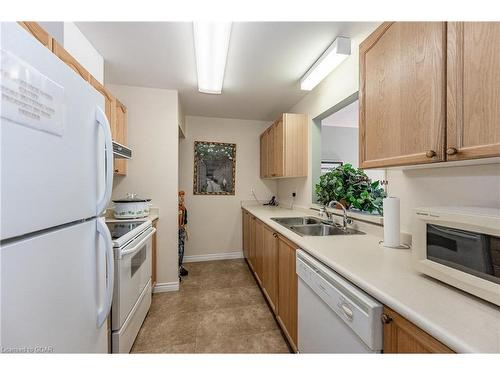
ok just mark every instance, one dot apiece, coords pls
pixel 347 117
pixel 265 61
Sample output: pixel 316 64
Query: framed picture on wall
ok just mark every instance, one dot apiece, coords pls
pixel 214 168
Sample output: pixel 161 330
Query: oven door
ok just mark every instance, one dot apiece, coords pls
pixel 132 273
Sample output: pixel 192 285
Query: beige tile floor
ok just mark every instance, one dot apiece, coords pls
pixel 218 309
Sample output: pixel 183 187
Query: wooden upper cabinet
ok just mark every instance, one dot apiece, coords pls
pixel 473 83
pixel 402 94
pixel 401 336
pixel 120 136
pixel 263 155
pixel 287 289
pixel 39 33
pixel 283 145
pixel 65 56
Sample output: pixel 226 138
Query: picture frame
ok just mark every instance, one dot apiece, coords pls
pixel 214 168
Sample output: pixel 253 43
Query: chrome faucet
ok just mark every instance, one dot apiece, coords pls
pixel 345 220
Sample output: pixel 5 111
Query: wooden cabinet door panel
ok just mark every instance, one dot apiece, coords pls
pixel 402 94
pixel 279 151
pixel 271 166
pixel 295 144
pixel 120 136
pixel 287 288
pixel 64 55
pixel 473 124
pixel 401 336
pixel 263 156
pixel 270 267
pixel 258 250
pixel 246 229
pixel 251 249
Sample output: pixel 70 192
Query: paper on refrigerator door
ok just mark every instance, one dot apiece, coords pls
pixel 30 98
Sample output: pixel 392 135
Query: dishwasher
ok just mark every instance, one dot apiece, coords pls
pixel 334 316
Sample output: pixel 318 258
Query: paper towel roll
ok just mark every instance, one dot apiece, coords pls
pixel 391 221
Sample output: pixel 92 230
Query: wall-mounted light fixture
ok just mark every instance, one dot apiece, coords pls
pixel 338 51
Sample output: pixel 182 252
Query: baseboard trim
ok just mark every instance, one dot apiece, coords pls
pixel 166 287
pixel 218 256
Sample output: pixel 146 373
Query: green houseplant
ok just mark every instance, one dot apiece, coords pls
pixel 352 187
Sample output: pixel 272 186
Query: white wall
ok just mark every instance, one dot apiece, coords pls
pixel 340 144
pixel 214 222
pixel 477 185
pixel 340 84
pixel 153 169
pixel 82 50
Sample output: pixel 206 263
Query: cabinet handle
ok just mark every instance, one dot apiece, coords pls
pixel 275 235
pixel 386 319
pixel 116 170
pixel 430 153
pixel 451 151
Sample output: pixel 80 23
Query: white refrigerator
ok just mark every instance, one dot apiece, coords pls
pixel 56 180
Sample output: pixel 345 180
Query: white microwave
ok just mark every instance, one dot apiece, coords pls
pixel 461 247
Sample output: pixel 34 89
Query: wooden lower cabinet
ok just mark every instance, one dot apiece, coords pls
pixel 287 290
pixel 246 232
pixel 258 249
pixel 270 266
pixel 402 336
pixel 251 242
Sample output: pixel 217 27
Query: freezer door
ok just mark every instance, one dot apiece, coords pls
pixel 52 142
pixel 53 291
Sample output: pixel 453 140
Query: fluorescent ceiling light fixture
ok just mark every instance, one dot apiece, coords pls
pixel 211 44
pixel 338 51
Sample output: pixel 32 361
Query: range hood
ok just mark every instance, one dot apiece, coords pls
pixel 120 151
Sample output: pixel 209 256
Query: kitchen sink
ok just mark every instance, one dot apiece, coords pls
pixel 312 226
pixel 323 230
pixel 289 221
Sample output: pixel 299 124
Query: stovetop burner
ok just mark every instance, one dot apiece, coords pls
pixel 120 229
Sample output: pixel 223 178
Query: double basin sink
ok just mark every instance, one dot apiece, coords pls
pixel 312 226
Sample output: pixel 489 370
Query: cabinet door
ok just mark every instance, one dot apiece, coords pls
pixel 251 242
pixel 295 144
pixel 401 336
pixel 271 170
pixel 270 267
pixel 402 94
pixel 258 249
pixel 64 55
pixel 39 33
pixel 279 150
pixel 287 288
pixel 120 136
pixel 473 127
pixel 246 229
pixel 264 170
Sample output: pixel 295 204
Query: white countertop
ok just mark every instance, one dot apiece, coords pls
pixel 459 320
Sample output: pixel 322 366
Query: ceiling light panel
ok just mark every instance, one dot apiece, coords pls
pixel 211 44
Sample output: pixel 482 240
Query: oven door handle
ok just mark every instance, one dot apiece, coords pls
pixel 139 245
pixel 103 231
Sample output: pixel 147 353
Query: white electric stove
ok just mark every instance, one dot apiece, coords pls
pixel 132 243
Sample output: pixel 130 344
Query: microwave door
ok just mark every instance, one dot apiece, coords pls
pixel 459 249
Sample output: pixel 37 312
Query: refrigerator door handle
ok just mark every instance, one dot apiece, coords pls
pixel 102 121
pixel 103 231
